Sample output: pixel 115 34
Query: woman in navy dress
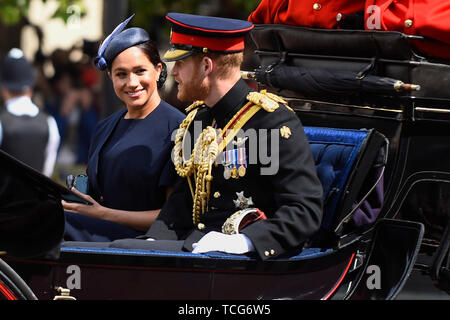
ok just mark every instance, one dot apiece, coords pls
pixel 129 168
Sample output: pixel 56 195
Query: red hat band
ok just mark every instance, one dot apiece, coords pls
pixel 214 44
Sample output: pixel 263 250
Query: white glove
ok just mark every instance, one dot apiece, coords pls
pixel 218 241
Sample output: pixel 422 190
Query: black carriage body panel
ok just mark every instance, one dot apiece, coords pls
pixel 124 274
pixel 392 255
pixel 118 274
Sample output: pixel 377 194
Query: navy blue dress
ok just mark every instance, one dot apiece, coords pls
pixel 129 168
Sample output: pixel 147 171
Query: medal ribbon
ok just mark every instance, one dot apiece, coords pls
pixel 241 157
pixel 236 156
pixel 236 123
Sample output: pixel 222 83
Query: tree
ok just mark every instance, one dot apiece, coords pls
pixel 14 16
pixel 13 11
pixel 150 13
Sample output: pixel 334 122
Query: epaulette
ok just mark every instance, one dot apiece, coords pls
pixel 268 101
pixel 277 99
pixel 194 105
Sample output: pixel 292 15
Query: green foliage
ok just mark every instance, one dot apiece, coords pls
pixel 247 6
pixel 12 11
pixel 68 9
pixel 234 8
pixel 150 13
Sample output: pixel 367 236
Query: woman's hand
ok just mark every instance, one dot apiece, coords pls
pixel 94 210
pixel 139 220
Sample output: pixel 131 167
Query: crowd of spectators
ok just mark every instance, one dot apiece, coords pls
pixel 72 94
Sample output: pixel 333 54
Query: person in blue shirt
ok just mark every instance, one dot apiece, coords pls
pixel 129 169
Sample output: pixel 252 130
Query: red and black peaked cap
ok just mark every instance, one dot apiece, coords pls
pixel 193 33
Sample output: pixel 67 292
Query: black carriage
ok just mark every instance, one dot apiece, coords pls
pixel 381 158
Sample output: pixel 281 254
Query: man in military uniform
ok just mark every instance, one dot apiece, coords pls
pixel 248 179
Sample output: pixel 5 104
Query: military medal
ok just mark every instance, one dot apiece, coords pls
pixel 235 161
pixel 234 173
pixel 241 171
pixel 242 161
pixel 231 170
pixel 226 173
pixel 242 202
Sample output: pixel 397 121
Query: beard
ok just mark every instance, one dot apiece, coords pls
pixel 193 90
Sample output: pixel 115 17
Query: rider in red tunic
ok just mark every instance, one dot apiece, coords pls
pixel 328 14
pixel 427 18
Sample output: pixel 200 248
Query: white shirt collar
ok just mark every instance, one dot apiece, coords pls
pixel 21 106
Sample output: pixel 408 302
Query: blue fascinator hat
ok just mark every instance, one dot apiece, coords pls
pixel 117 42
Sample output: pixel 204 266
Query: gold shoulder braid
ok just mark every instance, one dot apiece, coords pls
pixel 275 98
pixel 194 105
pixel 205 153
pixel 182 166
pixel 200 161
pixel 263 100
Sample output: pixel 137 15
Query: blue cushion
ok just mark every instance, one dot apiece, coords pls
pixel 335 152
pixel 307 253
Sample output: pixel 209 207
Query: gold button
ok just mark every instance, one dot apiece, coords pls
pixel 317 6
pixel 266 253
pixel 102 199
pixel 217 194
pixel 408 23
pixel 201 226
pixel 272 252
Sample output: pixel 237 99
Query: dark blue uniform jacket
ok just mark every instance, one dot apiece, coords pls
pixel 281 179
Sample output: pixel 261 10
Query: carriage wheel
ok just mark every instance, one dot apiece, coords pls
pixel 12 286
